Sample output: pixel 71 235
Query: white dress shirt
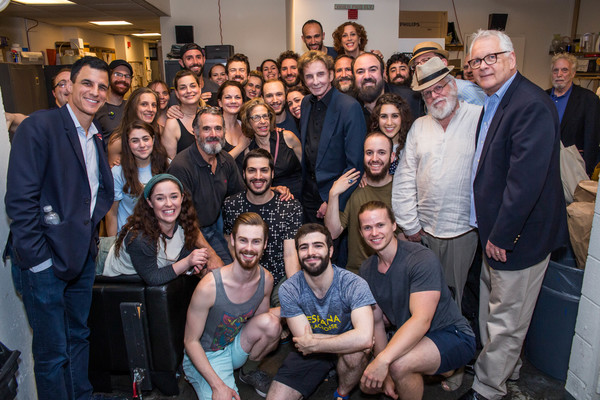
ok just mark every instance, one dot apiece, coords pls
pixel 432 185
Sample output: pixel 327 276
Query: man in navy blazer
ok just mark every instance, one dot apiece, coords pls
pixel 57 159
pixel 332 133
pixel 578 110
pixel 518 207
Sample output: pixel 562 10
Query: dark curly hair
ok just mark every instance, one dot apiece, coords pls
pixel 158 158
pixel 405 116
pixel 337 36
pixel 143 222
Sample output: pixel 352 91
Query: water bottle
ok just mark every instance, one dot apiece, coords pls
pixel 50 217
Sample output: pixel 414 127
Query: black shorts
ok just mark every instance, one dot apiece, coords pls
pixel 305 373
pixel 456 348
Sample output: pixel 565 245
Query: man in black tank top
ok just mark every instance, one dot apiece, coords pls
pixel 228 319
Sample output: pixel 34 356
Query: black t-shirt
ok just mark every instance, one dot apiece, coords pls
pixel 208 190
pixel 415 269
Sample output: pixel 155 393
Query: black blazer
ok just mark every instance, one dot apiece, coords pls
pixel 517 188
pixel 47 167
pixel 580 125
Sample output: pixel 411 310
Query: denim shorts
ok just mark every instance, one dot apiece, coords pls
pixel 223 362
pixel 456 348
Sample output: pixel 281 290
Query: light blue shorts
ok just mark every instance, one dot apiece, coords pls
pixel 224 362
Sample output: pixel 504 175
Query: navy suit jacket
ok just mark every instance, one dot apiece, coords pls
pixel 517 188
pixel 341 144
pixel 580 125
pixel 47 167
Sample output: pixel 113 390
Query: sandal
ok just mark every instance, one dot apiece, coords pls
pixel 453 382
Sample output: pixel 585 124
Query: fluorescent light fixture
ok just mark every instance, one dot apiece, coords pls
pixel 44 2
pixel 146 34
pixel 110 23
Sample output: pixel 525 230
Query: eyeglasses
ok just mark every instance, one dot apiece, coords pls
pixel 490 59
pixel 437 89
pixel 257 118
pixel 421 61
pixel 120 75
pixel 61 84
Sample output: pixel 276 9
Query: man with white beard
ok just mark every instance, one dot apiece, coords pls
pixel 432 185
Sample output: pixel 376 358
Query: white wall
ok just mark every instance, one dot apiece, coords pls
pixel 536 20
pixel 256 28
pixel 14 329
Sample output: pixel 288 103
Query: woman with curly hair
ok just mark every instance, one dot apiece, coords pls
pixel 258 124
pixel 142 105
pixel 350 38
pixel 142 156
pixel 159 240
pixel 391 116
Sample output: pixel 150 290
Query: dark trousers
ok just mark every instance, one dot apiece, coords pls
pixel 214 236
pixel 57 312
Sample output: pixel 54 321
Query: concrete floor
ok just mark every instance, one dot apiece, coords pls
pixel 533 385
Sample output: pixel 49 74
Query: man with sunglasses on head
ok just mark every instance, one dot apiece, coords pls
pixel 431 195
pixel 517 204
pixel 111 113
pixel 467 91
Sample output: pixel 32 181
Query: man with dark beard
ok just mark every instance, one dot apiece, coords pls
pixel 431 195
pixel 398 71
pixel 283 217
pixel 378 156
pixel 228 320
pixel 111 113
pixel 210 175
pixel 288 68
pixel 238 68
pixel 274 93
pixel 370 85
pixel 344 78
pixel 329 312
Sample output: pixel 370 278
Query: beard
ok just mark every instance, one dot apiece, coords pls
pixel 317 269
pixel 444 111
pixel 378 177
pixel 245 263
pixel 344 85
pixel 371 93
pixel 266 186
pixel 118 90
pixel 292 84
pixel 210 148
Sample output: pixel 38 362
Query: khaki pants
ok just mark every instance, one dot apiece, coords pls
pixel 506 303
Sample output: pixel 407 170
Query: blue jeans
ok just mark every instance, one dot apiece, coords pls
pixel 214 236
pixel 57 312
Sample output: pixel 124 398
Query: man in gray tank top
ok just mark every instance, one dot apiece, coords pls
pixel 228 319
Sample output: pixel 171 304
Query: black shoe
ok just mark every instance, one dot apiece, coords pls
pixel 259 380
pixel 472 395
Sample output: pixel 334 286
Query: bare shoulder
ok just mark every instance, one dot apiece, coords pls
pixel 205 292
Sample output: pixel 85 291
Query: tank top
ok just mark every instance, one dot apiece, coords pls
pixel 225 319
pixel 186 139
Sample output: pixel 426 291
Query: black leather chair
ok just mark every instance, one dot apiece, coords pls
pixel 165 308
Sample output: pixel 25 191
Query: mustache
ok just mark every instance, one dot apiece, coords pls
pixel 369 80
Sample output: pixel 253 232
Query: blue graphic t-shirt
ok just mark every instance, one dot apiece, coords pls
pixel 331 314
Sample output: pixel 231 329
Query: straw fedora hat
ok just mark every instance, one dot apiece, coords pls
pixel 430 73
pixel 428 47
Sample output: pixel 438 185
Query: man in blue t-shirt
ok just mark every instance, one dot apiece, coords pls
pixel 329 312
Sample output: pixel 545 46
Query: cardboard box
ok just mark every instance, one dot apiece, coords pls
pixel 423 24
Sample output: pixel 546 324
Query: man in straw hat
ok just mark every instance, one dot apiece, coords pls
pixel 467 91
pixel 431 194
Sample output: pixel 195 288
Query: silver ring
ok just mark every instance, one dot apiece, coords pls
pixel 350 181
pixel 497 252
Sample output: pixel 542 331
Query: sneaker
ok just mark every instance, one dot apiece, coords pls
pixel 259 380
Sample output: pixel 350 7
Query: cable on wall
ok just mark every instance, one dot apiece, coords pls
pixel 28 29
pixel 220 23
pixel 457 23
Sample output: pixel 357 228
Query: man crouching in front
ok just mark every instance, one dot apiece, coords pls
pixel 329 312
pixel 228 319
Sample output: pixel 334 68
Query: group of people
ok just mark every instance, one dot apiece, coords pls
pixel 258 181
